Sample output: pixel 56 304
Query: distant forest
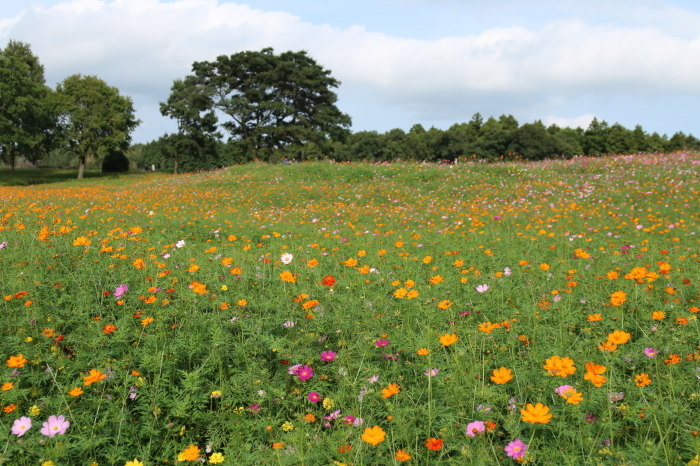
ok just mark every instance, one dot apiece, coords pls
pixel 491 140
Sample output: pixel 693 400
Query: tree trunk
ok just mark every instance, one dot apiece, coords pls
pixel 12 159
pixel 81 166
pixel 176 163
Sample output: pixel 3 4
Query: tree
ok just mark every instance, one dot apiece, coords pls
pixel 97 117
pixel 27 106
pixel 190 104
pixel 274 101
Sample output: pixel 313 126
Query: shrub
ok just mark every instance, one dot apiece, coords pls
pixel 115 162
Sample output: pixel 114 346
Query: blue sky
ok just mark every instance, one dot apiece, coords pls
pixel 401 62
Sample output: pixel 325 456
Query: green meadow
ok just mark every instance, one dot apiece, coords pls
pixel 354 314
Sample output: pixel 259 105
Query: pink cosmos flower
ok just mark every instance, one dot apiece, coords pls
pixel 651 352
pixel 516 449
pixel 21 425
pixel 54 425
pixel 314 397
pixel 432 372
pixel 474 428
pixel 304 373
pixel 328 356
pixel 120 290
pixel 482 288
pixel 564 389
pixel 382 343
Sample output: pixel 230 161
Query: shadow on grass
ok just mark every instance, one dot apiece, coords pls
pixel 28 177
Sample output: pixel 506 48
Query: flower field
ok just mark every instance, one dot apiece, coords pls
pixel 354 314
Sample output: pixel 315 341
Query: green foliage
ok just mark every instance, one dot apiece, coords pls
pixel 273 101
pixel 212 370
pixel 28 110
pixel 115 162
pixel 97 117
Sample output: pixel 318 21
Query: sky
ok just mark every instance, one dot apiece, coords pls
pixel 400 62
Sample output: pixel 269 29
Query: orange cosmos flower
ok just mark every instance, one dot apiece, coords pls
pixel 309 304
pixel 9 408
pixel 448 339
pixel 412 294
pixel 433 443
pixel 658 315
pixel 501 376
pixel 95 376
pixel 223 306
pixel 544 266
pixel 642 380
pixel 147 321
pixel 390 390
pixel 617 298
pixel 82 241
pixel 7 386
pixel 48 332
pixel 436 279
pixel 192 268
pixel 594 372
pixel 150 299
pixel 538 413
pixel 612 275
pixel 236 271
pixel 350 262
pixel 595 317
pixel 423 352
pixel 608 346
pixel 328 280
pixel 242 302
pixel 681 321
pixel 427 259
pixel 402 455
pixel 673 359
pixel 288 277
pixel 109 328
pixel 191 453
pixel 139 264
pixel 619 337
pixel 278 446
pixel 373 435
pixel 75 391
pixel 558 366
pixel 312 263
pixel 17 361
pixel 445 304
pixel 308 417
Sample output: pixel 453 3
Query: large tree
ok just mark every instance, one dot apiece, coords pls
pixel 190 105
pixel 27 106
pixel 97 117
pixel 274 101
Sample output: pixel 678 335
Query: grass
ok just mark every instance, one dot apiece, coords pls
pixel 226 348
pixel 29 177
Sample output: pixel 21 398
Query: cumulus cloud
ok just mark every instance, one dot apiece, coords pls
pixel 141 46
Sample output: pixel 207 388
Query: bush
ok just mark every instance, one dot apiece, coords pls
pixel 115 162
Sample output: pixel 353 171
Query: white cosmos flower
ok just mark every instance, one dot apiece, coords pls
pixel 180 243
pixel 286 258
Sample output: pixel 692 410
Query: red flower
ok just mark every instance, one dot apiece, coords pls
pixel 328 280
pixel 433 443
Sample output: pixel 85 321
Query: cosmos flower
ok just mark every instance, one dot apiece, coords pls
pixel 55 425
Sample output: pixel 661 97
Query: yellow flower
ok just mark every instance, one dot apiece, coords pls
pixel 216 458
pixel 373 435
pixel 328 403
pixel 287 426
pixel 191 453
pixel 136 462
pixel 34 411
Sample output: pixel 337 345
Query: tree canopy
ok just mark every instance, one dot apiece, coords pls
pixel 273 101
pixel 97 118
pixel 28 123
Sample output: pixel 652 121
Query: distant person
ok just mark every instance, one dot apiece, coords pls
pixel 153 168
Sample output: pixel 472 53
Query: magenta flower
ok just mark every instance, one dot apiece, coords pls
pixel 304 373
pixel 120 290
pixel 382 343
pixel 293 369
pixel 328 356
pixel 55 425
pixel 651 352
pixel 21 425
pixel 516 449
pixel 349 420
pixel 474 428
pixel 314 397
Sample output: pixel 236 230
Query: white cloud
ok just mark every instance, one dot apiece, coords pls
pixel 140 46
pixel 582 121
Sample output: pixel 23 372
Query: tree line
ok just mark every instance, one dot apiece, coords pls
pixel 83 115
pixel 261 106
